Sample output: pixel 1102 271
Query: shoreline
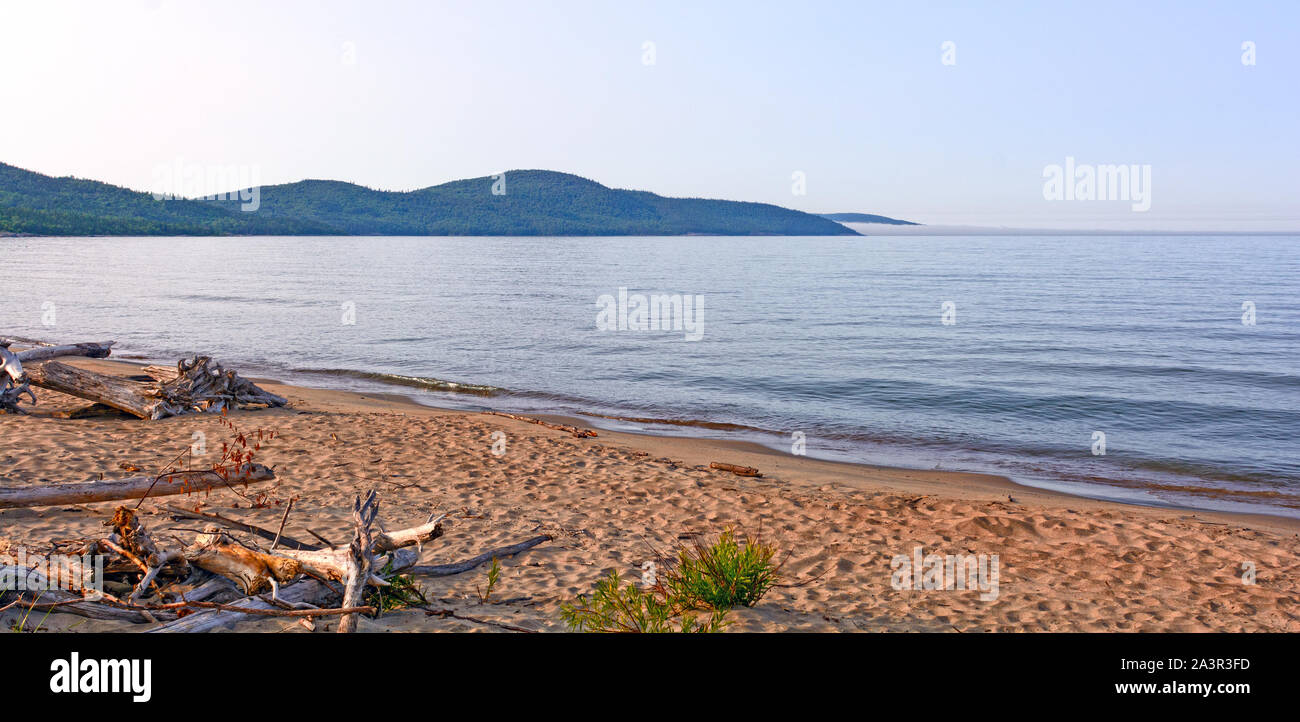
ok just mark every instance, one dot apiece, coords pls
pixel 701 450
pixel 612 502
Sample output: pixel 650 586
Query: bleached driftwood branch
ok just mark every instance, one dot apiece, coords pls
pixel 308 591
pixel 14 383
pixel 136 487
pixel 201 385
pixel 359 558
pixel 237 525
pixel 251 569
pixel 446 570
pixel 100 349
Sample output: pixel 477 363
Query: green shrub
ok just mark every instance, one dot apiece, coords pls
pixel 615 608
pixel 727 573
pixel 402 591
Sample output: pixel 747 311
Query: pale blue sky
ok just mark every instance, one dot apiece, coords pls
pixel 740 96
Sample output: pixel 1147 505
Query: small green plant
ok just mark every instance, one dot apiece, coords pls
pixel 401 592
pixel 730 572
pixel 20 625
pixel 493 576
pixel 617 608
pixel 709 578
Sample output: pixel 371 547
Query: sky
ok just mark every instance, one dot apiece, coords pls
pixel 943 113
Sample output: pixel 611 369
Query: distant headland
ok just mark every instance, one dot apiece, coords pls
pixel 515 203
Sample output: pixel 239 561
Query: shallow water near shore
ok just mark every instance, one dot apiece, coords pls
pixel 841 342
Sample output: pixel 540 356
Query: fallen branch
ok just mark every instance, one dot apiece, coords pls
pixel 359 558
pixel 446 570
pixel 137 487
pixel 313 612
pixel 737 470
pixel 251 569
pixel 66 600
pixel 89 350
pixel 477 620
pixel 579 433
pixel 332 564
pixel 307 591
pixel 132 535
pixel 237 525
pixel 428 531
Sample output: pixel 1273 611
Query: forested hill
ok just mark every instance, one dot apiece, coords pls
pixel 866 218
pixel 42 205
pixel 527 203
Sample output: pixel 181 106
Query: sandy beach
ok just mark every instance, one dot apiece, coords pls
pixel 1066 563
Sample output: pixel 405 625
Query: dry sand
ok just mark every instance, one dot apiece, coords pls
pixel 1066 563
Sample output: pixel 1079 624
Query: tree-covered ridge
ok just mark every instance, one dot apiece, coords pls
pixel 866 218
pixel 534 203
pixel 42 205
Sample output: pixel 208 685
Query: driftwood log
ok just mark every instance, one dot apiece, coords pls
pixel 136 487
pixel 446 570
pixel 14 383
pixel 201 385
pixel 119 393
pixel 306 592
pixel 573 430
pixel 197 385
pixel 169 584
pixel 251 569
pixel 733 468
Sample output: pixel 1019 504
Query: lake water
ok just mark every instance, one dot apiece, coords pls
pixel 1049 341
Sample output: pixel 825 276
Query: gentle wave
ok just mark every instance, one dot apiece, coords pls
pixel 419 382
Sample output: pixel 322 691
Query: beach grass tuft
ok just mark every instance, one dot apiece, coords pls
pixel 729 572
pixel 617 608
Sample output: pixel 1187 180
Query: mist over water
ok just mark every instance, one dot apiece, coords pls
pixel 1055 338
